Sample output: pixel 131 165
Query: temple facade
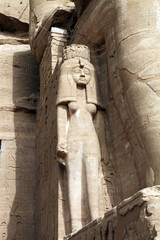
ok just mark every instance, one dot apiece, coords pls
pixel 80 119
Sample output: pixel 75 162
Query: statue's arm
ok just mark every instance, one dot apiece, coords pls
pixel 62 112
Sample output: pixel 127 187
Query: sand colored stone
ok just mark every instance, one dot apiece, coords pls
pixel 44 15
pixel 134 218
pixel 78 104
pixel 123 37
pixel 18 90
pixel 131 54
pixel 49 172
pixel 16 9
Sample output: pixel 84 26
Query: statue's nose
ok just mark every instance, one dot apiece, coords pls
pixel 82 73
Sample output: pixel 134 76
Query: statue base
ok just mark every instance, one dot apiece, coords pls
pixel 134 218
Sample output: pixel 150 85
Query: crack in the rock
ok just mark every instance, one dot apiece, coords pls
pixel 130 35
pixel 93 43
pixel 125 69
pixel 151 87
pixel 23 12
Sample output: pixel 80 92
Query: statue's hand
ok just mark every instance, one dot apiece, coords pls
pixel 62 150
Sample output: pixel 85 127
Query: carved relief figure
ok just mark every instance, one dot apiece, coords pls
pixel 78 103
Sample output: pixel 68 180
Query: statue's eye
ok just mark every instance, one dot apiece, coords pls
pixel 86 71
pixel 77 70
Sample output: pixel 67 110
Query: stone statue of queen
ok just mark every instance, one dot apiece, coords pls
pixel 78 103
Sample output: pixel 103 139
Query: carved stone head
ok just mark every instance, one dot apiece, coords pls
pixel 77 70
pixel 81 74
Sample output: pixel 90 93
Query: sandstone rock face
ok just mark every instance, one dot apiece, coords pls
pixel 14 19
pixel 124 40
pixel 81 6
pixel 134 218
pixel 18 9
pixel 19 74
pixel 19 90
pixel 131 55
pixel 43 15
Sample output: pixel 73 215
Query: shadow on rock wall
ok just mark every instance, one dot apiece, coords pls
pixel 21 149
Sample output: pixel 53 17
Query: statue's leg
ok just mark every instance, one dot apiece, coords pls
pixel 74 175
pixel 91 164
pixel 91 160
pixel 133 49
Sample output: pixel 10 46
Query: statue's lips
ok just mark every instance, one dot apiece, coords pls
pixel 82 79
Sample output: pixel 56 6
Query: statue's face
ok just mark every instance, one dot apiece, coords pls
pixel 81 75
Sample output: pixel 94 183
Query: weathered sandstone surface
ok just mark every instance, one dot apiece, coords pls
pixel 14 20
pixel 44 15
pixel 126 47
pixel 123 39
pixel 135 218
pixel 15 10
pixel 123 36
pixel 19 90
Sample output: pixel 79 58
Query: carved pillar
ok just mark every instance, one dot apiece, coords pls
pixel 58 41
pixel 47 169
